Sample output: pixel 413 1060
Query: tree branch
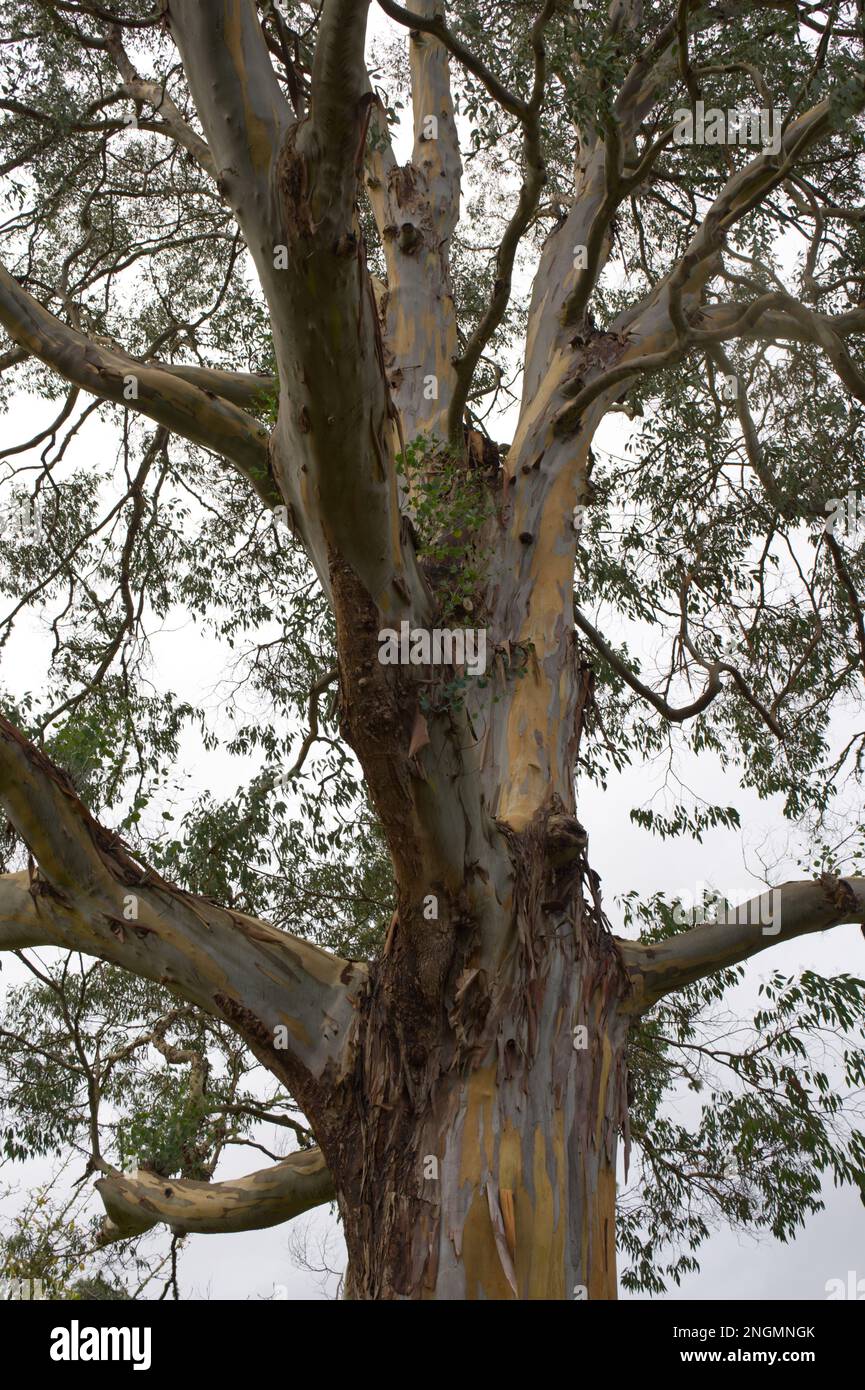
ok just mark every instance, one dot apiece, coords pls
pixel 290 1001
pixel 163 394
pixel 438 157
pixel 794 909
pixel 136 88
pixel 712 688
pixel 416 209
pixel 436 26
pixel 136 1202
pixel 236 93
pixel 245 389
pixel 340 84
pixel 534 179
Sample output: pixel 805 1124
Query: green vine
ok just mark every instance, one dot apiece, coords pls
pixel 451 504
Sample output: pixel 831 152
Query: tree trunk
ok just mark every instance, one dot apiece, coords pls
pixel 478 1155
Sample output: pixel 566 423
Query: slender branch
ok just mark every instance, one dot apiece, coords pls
pixel 316 691
pixel 712 688
pixel 848 585
pixel 744 190
pixel 762 320
pixel 436 26
pixel 138 89
pixel 534 179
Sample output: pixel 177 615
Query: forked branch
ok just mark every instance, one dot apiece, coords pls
pixel 168 397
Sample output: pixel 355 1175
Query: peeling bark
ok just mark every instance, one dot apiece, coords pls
pixel 484 1166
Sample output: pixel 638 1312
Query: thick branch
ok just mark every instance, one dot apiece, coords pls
pixel 764 320
pixel 236 93
pixel 340 84
pixel 135 1202
pixel 289 1000
pixel 416 209
pixel 438 155
pixel 159 393
pixel 794 909
pixel 22 924
pixel 246 389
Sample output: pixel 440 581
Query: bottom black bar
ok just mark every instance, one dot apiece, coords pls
pixel 200 1338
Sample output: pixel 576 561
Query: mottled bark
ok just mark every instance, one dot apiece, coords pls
pixel 483 1167
pixel 416 208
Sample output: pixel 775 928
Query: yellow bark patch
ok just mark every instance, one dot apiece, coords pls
pixel 510 1158
pixel 546 1242
pixel 295 1028
pixel 535 1238
pixel 258 136
pixel 477 1141
pixel 535 712
pixel 507 1203
pixel 606 1062
pixel 485 1277
pixel 601 1278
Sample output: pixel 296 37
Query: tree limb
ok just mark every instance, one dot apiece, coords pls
pixel 534 179
pixel 436 26
pixel 290 1001
pixel 794 909
pixel 136 1202
pixel 416 208
pixel 162 394
pixel 339 85
pixel 246 389
pixel 138 89
pixel 236 93
pixel 712 688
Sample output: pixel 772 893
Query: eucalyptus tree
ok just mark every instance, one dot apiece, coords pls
pixel 647 209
